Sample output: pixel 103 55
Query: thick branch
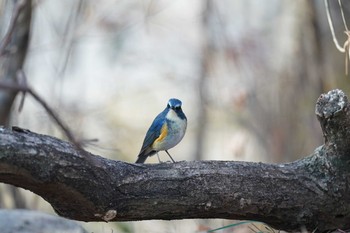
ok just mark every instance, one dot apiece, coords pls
pixel 312 192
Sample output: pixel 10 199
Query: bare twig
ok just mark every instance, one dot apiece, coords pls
pixel 330 22
pixel 68 39
pixel 346 48
pixel 347 51
pixel 23 87
pixel 342 15
pixel 7 38
pixel 24 83
pixel 346 44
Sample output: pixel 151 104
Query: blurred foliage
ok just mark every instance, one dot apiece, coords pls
pixel 248 73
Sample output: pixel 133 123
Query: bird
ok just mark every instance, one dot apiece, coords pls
pixel 165 132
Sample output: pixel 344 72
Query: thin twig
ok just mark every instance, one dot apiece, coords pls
pixel 68 39
pixel 342 15
pixel 347 52
pixel 24 83
pixel 345 49
pixel 26 89
pixel 7 38
pixel 341 49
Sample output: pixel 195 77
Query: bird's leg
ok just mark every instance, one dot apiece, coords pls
pixel 159 158
pixel 170 156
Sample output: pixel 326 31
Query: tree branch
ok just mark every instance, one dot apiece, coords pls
pixel 312 192
pixel 24 88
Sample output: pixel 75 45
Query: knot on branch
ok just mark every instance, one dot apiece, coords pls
pixel 333 114
pixel 331 104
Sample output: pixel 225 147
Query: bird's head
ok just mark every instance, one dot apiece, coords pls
pixel 175 105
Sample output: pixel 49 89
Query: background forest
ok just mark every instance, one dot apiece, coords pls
pixel 248 73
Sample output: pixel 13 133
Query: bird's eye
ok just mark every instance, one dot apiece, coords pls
pixel 177 108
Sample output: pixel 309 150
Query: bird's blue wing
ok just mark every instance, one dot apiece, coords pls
pixel 153 132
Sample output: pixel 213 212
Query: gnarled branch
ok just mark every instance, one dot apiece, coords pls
pixel 312 192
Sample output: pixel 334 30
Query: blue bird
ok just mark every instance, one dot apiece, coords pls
pixel 166 131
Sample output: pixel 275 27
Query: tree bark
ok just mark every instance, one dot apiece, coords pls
pixel 312 192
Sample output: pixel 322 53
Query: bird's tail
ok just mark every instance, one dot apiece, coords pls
pixel 142 157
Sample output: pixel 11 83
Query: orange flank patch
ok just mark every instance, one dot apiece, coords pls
pixel 163 133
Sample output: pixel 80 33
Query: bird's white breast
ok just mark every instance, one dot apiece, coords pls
pixel 176 130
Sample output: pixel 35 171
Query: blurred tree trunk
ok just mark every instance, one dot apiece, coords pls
pixel 303 70
pixel 15 25
pixel 14 48
pixel 271 51
pixel 206 61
